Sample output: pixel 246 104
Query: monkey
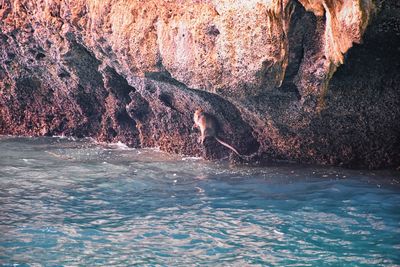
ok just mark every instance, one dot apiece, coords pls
pixel 208 127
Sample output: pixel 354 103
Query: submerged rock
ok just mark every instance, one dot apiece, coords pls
pixel 270 71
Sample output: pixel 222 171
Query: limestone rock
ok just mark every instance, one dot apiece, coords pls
pixel 235 48
pixel 270 71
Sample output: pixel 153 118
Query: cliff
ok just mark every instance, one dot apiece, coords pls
pixel 281 76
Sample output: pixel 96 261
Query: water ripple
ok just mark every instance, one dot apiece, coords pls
pixel 90 204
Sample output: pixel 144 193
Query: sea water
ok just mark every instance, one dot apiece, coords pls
pixel 66 202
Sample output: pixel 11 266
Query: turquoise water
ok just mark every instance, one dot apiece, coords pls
pixel 67 202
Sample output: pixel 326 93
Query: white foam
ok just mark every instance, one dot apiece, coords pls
pixel 65 137
pixel 191 158
pixel 120 145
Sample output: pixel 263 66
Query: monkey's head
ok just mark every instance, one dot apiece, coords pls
pixel 197 114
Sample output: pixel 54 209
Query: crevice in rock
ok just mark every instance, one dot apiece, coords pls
pixel 117 125
pixel 301 24
pixel 40 56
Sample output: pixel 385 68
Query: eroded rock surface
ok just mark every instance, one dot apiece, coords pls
pixel 270 71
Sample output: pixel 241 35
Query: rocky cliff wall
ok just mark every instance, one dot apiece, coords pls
pixel 280 75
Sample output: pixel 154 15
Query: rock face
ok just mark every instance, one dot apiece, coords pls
pixel 271 72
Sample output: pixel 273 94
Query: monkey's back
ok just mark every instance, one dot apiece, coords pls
pixel 210 124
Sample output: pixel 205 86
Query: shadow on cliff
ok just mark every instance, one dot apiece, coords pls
pixel 163 111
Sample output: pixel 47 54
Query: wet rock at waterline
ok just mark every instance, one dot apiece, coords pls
pixel 307 81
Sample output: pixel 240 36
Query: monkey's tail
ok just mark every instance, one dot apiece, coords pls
pixel 228 146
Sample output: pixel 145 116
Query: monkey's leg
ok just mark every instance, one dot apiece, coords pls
pixel 201 139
